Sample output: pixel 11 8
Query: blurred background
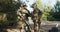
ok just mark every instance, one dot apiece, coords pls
pixel 8 11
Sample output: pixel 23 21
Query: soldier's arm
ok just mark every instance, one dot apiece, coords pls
pixel 40 12
pixel 28 13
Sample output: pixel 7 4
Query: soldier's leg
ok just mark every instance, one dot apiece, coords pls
pixel 39 23
pixel 35 26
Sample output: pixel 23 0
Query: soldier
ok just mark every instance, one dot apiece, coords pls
pixel 24 14
pixel 36 15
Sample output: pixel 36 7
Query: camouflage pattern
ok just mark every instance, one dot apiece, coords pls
pixel 36 15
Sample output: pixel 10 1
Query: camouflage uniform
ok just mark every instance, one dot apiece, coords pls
pixel 36 15
pixel 23 13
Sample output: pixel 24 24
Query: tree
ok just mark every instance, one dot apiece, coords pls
pixel 39 4
pixel 9 7
pixel 55 12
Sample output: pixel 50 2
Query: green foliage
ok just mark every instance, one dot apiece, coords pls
pixel 46 12
pixel 39 4
pixel 9 7
pixel 45 9
pixel 55 13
